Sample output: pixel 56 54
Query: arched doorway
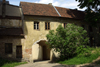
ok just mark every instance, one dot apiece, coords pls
pixel 45 50
pixel 40 51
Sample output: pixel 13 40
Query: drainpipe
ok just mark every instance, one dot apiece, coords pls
pixel 3 8
pixel 55 9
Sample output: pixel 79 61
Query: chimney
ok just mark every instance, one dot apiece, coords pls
pixel 50 4
pixel 3 8
pixel 75 9
pixel 4 1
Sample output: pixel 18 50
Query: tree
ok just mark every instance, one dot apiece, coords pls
pixel 92 10
pixel 66 40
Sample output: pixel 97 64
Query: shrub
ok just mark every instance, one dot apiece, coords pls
pixel 67 40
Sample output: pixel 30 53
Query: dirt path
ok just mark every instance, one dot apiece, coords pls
pixel 47 64
pixel 41 65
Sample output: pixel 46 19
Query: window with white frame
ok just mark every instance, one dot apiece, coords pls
pixel 36 25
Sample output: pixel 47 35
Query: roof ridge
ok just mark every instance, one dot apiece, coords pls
pixel 34 3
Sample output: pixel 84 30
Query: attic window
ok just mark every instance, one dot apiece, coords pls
pixel 36 25
pixel 65 25
pixel 47 25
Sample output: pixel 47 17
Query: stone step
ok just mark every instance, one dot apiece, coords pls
pixel 44 61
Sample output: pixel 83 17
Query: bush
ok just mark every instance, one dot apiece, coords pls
pixel 68 41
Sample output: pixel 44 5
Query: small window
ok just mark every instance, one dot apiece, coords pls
pixel 83 26
pixel 8 48
pixel 91 41
pixel 47 25
pixel 36 25
pixel 90 29
pixel 99 29
pixel 65 25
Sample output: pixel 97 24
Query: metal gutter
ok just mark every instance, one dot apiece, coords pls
pixel 56 10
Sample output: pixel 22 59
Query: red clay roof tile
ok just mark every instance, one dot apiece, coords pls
pixel 48 10
pixel 38 9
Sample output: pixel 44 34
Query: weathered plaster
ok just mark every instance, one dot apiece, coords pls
pixel 10 23
pixel 32 37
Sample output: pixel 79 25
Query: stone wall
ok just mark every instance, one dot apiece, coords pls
pixel 16 41
pixel 10 23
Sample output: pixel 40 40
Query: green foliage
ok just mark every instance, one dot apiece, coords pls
pixel 7 63
pixel 90 4
pixel 80 60
pixel 87 56
pixel 67 40
pixel 92 10
pixel 83 51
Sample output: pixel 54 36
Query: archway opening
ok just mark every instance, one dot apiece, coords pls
pixel 45 50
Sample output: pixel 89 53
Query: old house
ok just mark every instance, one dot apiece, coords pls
pixel 38 20
pixel 23 29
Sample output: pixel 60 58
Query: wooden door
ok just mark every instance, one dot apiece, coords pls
pixel 46 53
pixel 18 51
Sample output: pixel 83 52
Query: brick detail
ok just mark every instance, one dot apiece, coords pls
pixel 29 51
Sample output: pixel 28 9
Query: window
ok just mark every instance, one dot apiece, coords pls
pixel 83 26
pixel 65 25
pixel 91 41
pixel 36 25
pixel 99 29
pixel 90 29
pixel 47 25
pixel 8 48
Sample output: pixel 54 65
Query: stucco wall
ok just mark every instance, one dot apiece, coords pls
pixel 37 52
pixel 33 36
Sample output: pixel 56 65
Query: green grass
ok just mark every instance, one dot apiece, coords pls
pixel 83 58
pixel 80 60
pixel 6 63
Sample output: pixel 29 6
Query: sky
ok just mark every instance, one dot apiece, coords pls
pixel 72 4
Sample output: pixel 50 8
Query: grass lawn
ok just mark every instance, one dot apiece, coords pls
pixel 83 59
pixel 6 63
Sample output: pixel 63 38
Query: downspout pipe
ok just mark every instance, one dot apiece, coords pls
pixel 3 8
pixel 4 1
pixel 56 10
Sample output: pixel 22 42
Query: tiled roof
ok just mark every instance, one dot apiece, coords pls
pixel 11 31
pixel 48 10
pixel 71 13
pixel 38 9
